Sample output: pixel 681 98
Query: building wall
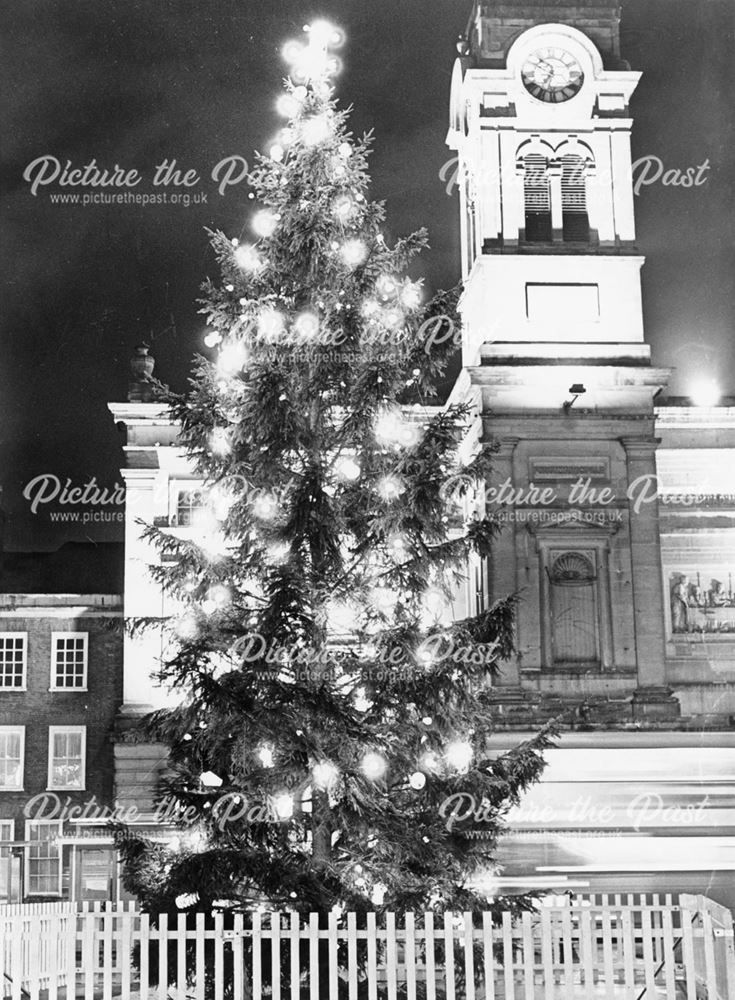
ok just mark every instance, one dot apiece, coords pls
pixel 37 708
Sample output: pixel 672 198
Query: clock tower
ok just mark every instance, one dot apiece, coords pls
pixel 555 362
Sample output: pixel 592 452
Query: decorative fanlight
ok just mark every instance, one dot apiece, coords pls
pixel 572 569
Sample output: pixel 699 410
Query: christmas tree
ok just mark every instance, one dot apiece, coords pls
pixel 334 708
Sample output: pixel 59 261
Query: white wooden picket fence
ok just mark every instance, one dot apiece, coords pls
pixel 636 947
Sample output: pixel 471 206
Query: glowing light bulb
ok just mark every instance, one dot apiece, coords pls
pixel 186 627
pixel 345 150
pixel 232 357
pixel 278 553
pixel 283 805
pixel 247 257
pixel 288 105
pixel 347 468
pixel 213 338
pixel 390 428
pixel 210 780
pixel 373 765
pixel 276 152
pixel 377 896
pixel 317 129
pixel 324 774
pixel 390 487
pixel 343 207
pixel 219 595
pixel 265 755
pixel 398 545
pixel 306 324
pixel 354 252
pixel 705 392
pixel 265 506
pixel 370 308
pixel 410 296
pixel 459 754
pixel 219 441
pixel 362 703
pixel 384 600
pixel 417 780
pixel 270 323
pixel 265 222
pixel 386 286
pixel 392 318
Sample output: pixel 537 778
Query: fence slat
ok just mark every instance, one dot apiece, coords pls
pixel 667 951
pixel 333 947
pixel 295 938
pixel 372 960
pixel 628 956
pixel 257 968
pixel 275 956
pixel 352 955
pixel 487 955
pixel 391 958
pixel 163 956
pixel 181 924
pixel 126 938
pixel 528 956
pixel 448 956
pixel 469 957
pixel 219 957
pixel 314 956
pixel 687 950
pixel 237 957
pixel 710 969
pixel 508 957
pixel 547 954
pixel 198 958
pixel 145 941
pixel 89 955
pixel 430 956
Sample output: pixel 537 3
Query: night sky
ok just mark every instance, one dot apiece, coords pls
pixel 134 83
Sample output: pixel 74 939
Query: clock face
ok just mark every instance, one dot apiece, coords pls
pixel 552 75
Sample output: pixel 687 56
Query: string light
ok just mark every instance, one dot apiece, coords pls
pixel 210 780
pixel 213 338
pixel 217 598
pixel 354 252
pixel 373 765
pixel 265 755
pixel 277 553
pixel 186 627
pixel 270 323
pixel 386 286
pixel 247 257
pixel 186 899
pixel 219 441
pixel 417 780
pixel 377 896
pixel 265 222
pixel 383 599
pixel 306 324
pixel 347 468
pixel 410 296
pixel 288 105
pixel 232 357
pixel 390 487
pixel 265 506
pixel 362 703
pixel 459 754
pixel 343 207
pixel 324 774
pixel 345 150
pixel 317 129
pixel 283 805
pixel 276 152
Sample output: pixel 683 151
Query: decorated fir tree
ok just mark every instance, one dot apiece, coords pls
pixel 334 713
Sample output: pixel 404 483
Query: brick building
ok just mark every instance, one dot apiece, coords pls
pixel 60 691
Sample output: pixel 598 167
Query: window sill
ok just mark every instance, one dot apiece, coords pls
pixel 69 690
pixel 63 788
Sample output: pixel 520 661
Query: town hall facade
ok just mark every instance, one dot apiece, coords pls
pixel 618 502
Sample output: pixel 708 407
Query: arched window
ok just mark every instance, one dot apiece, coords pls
pixel 537 196
pixel 575 221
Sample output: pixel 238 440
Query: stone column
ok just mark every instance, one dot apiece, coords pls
pixel 652 698
pixel 557 216
pixel 503 570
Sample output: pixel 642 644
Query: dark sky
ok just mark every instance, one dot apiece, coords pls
pixel 133 82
